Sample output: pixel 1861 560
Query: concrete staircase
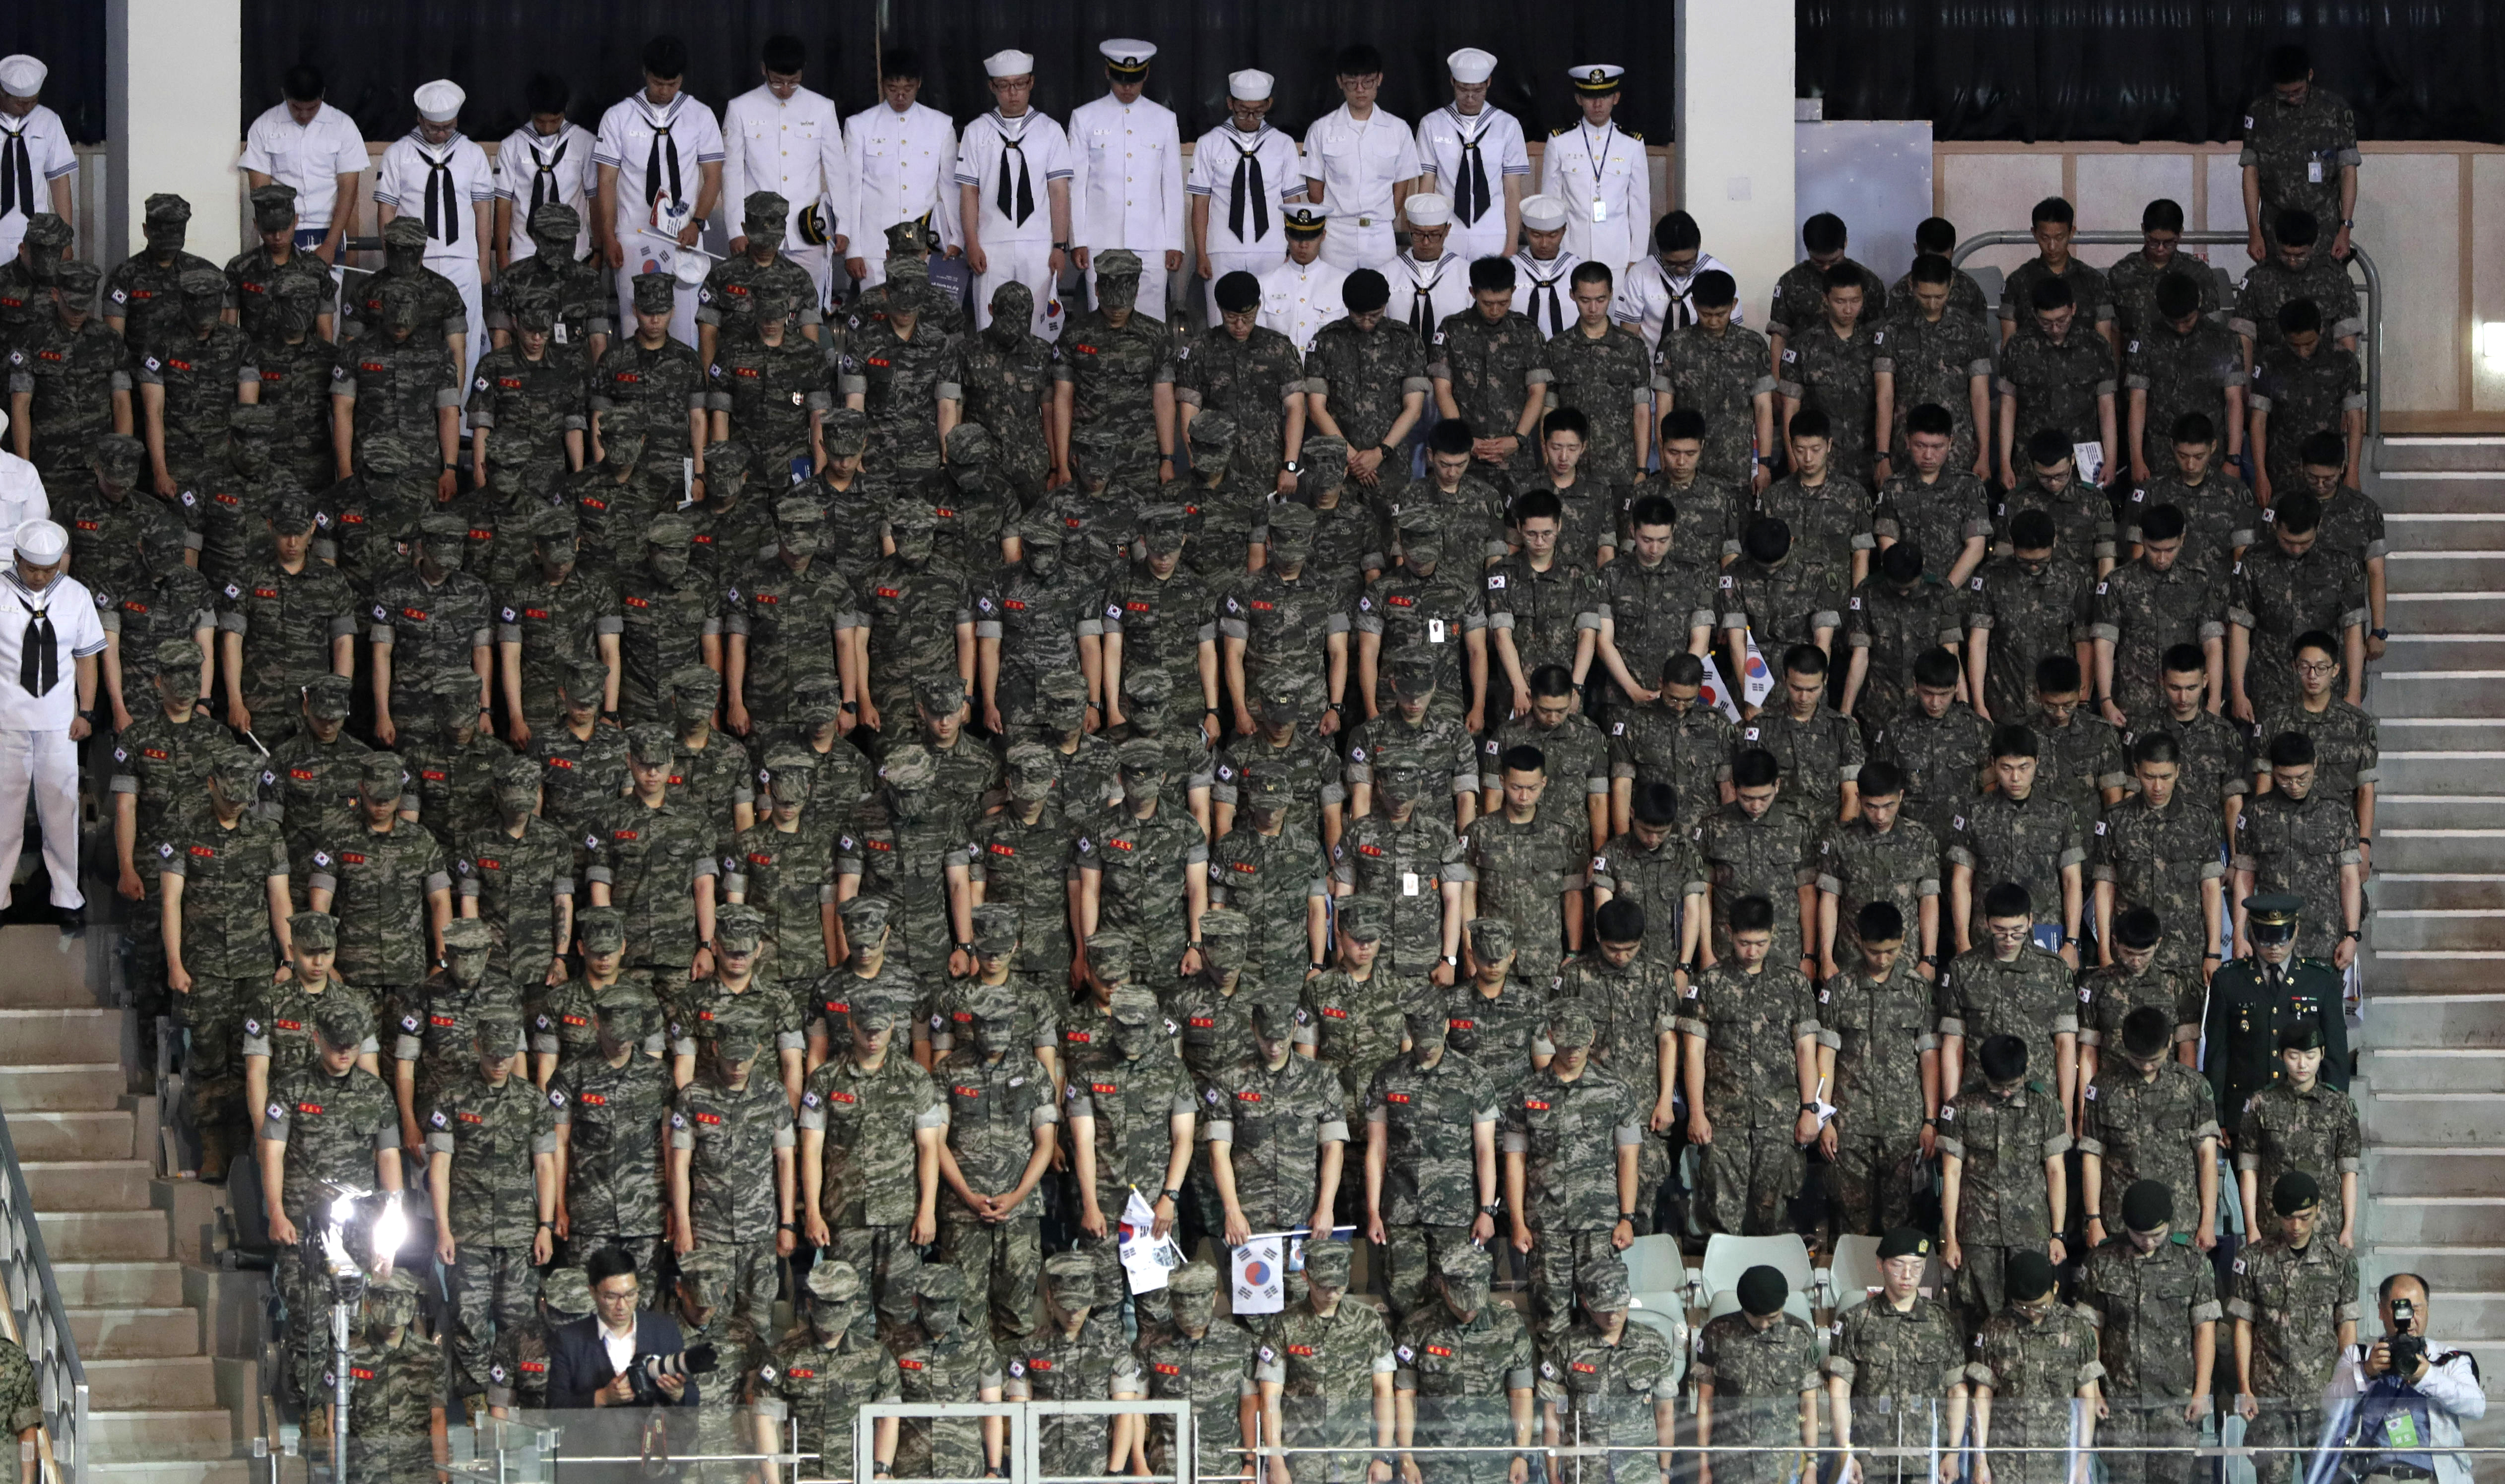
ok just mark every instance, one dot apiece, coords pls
pixel 159 1407
pixel 2433 1087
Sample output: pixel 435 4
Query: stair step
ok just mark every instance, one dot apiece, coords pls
pixel 2433 971
pixel 176 1383
pixel 2433 1117
pixel 2425 1170
pixel 147 1435
pixel 2436 1069
pixel 2396 1022
pixel 2400 693
pixel 2433 1219
pixel 2394 455
pixel 34 1037
pixel 2412 767
pixel 86 1284
pixel 2426 604
pixel 104 1236
pixel 87 1185
pixel 2435 927
pixel 2420 848
pixel 2438 811
pixel 2398 888
pixel 66 1086
pixel 113 1334
pixel 2447 1267
pixel 2447 531
pixel 95 1135
pixel 46 970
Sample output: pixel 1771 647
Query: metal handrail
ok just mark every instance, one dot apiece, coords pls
pixel 41 1320
pixel 2356 255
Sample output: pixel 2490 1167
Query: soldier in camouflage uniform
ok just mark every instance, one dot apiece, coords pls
pixel 769 389
pixel 284 620
pixel 784 868
pixel 2036 1362
pixel 1655 866
pixel 2008 984
pixel 1078 1354
pixel 279 1013
pixel 652 856
pixel 298 367
pixel 732 1142
pixel 2146 607
pixel 143 292
pixel 313 774
pixel 1005 372
pixel 582 760
pixel 946 1354
pixel 2149 1117
pixel 1655 603
pixel 2282 589
pixel 435 621
pixel 712 771
pixel 106 513
pixel 1723 371
pixel 2347 742
pixel 2152 1298
pixel 1880 855
pixel 173 602
pixel 733 993
pixel 1098 511
pixel 586 309
pixel 1818 749
pixel 1430 1147
pixel 1568 1128
pixel 1115 370
pixel 1757 1380
pixel 190 373
pixel 1779 600
pixel 1529 866
pixel 552 614
pixel 1748 1101
pixel 396 379
pixel 1276 1131
pixel 330 1124
pixel 2299 1122
pixel 1893 618
pixel 1002 1121
pixel 1494 1016
pixel 30 273
pixel 159 764
pixel 2298 840
pixel 871 1126
pixel 2302 389
pixel 1459 1350
pixel 435 1023
pixel 397 1378
pixel 1130 1118
pixel 534 393
pixel 1674 741
pixel 736 288
pixel 1607 1382
pixel 906 844
pixel 491 1169
pixel 1367 383
pixel 1928 356
pixel 871 975
pixel 1408 867
pixel 454 758
pixel 385 879
pixel 1130 859
pixel 826 1368
pixel 611 1106
pixel 2017 835
pixel 221 873
pixel 2294 1301
pixel 404 263
pixel 1940 508
pixel 2295 268
pixel 2053 373
pixel 970 498
pixel 1939 746
pixel 1289 617
pixel 1753 847
pixel 517 1370
pixel 2159 849
pixel 2181 361
pixel 1878 1057
pixel 1894 1359
pixel 1273 870
pixel 1159 614
pixel 2082 516
pixel 74 373
pixel 1830 366
pixel 1326 1370
pixel 672 617
pixel 901 371
pixel 1417 733
pixel 708 1287
pixel 919 615
pixel 655 380
pixel 564 1031
pixel 2002 1190
pixel 1575 749
pixel 2142 973
pixel 1635 1004
pixel 1028 620
pixel 237 491
pixel 1204 1363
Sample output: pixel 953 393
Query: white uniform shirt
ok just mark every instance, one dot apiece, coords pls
pixel 1652 303
pixel 22 499
pixel 1424 293
pixel 1445 138
pixel 437 186
pixel 1213 162
pixel 1606 182
pixel 1358 163
pixel 311 157
pixel 76 630
pixel 794 148
pixel 2452 1389
pixel 1126 181
pixel 628 135
pixel 989 155
pixel 48 158
pixel 903 168
pixel 1544 292
pixel 533 170
pixel 1298 299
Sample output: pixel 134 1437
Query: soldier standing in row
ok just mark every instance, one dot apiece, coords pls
pixel 1459 1351
pixel 2294 1301
pixel 491 1173
pixel 2038 1362
pixel 611 1105
pixel 825 1370
pixel 1326 1371
pixel 1895 1359
pixel 731 1142
pixel 2153 1299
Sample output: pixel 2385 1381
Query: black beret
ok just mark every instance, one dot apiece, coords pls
pixel 2147 1205
pixel 1364 292
pixel 2028 1275
pixel 1763 1290
pixel 1240 291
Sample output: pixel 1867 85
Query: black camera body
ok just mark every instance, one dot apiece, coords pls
pixel 2406 1349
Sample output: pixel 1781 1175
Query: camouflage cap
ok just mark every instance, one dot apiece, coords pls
pixel 846 432
pixel 381 773
pixel 669 530
pixel 1424 1019
pixel 1288 698
pixel 1044 533
pixel 790 775
pixel 1602 1283
pixel 738 1034
pixel 727 465
pixel 1360 919
pixel 1065 692
pixel 1162 528
pixel 1290 525
pixel 940 1282
pixel 1193 1280
pixel 650 743
pixel 1570 1025
pixel 629 1013
pixel 46 229
pixel 1108 955
pixel 1466 1263
pixel 765 208
pixel 708 1272
pixel 119 455
pixel 863 916
pixel 77 279
pixel 695 685
pixel 442 526
pixel 174 657
pixel 995 928
pixel 1326 1263
pixel 1212 430
pixel 1032 771
pixel 329 697
pixel 941 694
pixel 199 284
pixel 533 307
pixel 342 1021
pixel 738 927
pixel 1140 754
pixel 654 292
pixel 566 1292
pixel 252 419
pixel 315 931
pixel 1071 1277
pixel 799 510
pixel 1423 544
pixel 909 766
pixel 834 1281
pixel 500 1030
pixel 468 935
pixel 1116 262
pixel 1013 301
pixel 1224 925
pixel 1131 1003
pixel 292 514
pixel 970 443
pixel 1491 937
pixel 406 232
pixel 906 270
pixel 1412 672
pixel 166 209
pixel 1273 1018
pixel 554 220
pixel 273 206
pixel 585 678
pixel 1147 686
pixel 301 288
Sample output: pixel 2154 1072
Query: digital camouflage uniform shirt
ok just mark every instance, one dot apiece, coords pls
pixel 2282 1129
pixel 2148 1128
pixel 2034 1370
pixel 1934 361
pixel 1721 377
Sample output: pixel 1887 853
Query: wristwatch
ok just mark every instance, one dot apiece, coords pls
pixel 1291 466
pixel 1808 1107
pixel 1491 1208
pixel 2380 633
pixel 1627 1217
pixel 1172 1195
pixel 2354 934
pixel 1452 961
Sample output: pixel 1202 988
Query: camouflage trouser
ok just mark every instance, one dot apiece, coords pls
pixel 2032 1424
pixel 1979 1289
pixel 1467 1421
pixel 1003 1263
pixel 307 1293
pixel 1871 1180
pixel 1314 1421
pixel 143 950
pixel 644 1250
pixel 391 1461
pixel 1750 1176
pixel 276 716
pixel 2144 1422
pixel 2290 1431
pixel 869 1250
pixel 494 1289
pixel 213 1015
pixel 637 703
pixel 1555 1259
pixel 756 1278
pixel 1411 1254
pixel 1073 1445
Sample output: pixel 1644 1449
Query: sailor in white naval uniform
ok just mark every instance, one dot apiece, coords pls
pixel 1126 177
pixel 904 166
pixel 1245 175
pixel 1014 195
pixel 1301 294
pixel 1472 150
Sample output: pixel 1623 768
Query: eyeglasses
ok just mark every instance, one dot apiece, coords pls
pixel 2316 667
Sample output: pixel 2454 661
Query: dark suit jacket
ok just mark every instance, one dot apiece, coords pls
pixel 578 1362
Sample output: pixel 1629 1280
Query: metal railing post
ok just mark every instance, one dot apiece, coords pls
pixel 41 1321
pixel 2374 356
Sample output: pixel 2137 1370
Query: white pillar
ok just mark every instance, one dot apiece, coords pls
pixel 175 119
pixel 1736 140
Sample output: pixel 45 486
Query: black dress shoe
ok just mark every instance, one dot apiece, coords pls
pixel 73 922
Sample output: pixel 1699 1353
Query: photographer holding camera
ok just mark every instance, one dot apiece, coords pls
pixel 2403 1403
pixel 622 1358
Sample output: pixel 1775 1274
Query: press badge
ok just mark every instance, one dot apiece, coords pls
pixel 1409 883
pixel 1434 631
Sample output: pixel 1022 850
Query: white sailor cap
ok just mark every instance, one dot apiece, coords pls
pixel 1428 208
pixel 22 76
pixel 1251 85
pixel 1595 77
pixel 1541 213
pixel 440 101
pixel 1472 65
pixel 1009 64
pixel 1125 56
pixel 42 542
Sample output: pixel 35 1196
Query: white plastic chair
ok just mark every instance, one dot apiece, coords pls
pixel 1726 1257
pixel 1853 1275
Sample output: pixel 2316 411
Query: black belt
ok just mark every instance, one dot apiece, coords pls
pixel 2399 1471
